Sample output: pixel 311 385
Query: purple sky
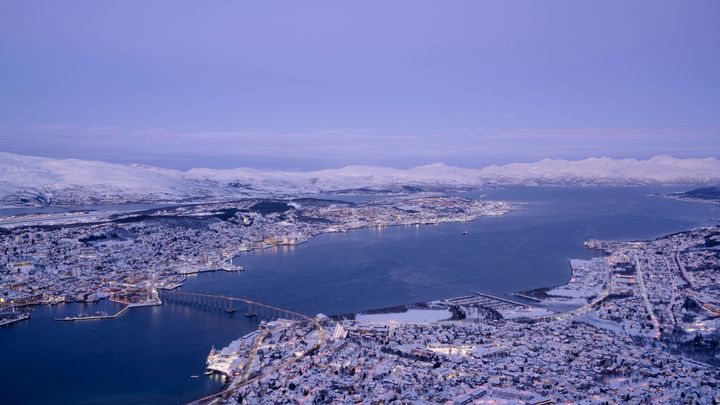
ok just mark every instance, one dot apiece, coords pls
pixel 327 83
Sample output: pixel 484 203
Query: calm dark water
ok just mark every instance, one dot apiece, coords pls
pixel 148 355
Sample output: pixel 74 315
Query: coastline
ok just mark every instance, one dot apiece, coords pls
pixel 678 197
pixel 507 209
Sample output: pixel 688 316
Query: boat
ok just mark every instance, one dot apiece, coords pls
pixel 250 314
pixel 208 372
pixel 466 232
pixel 230 310
pixel 194 376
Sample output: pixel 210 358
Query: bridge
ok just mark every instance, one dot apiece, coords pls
pixel 230 304
pixel 253 309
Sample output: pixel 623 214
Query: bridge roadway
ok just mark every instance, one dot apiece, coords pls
pixel 242 381
pixel 217 300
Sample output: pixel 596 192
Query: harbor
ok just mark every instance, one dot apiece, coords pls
pixel 103 315
pixel 151 301
pixel 4 321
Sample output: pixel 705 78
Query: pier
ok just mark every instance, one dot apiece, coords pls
pixel 112 316
pixel 10 321
pixel 91 317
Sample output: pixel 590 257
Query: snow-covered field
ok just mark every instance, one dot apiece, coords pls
pixel 409 316
pixel 587 280
pixel 529 312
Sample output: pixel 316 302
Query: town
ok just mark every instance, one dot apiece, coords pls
pixel 636 326
pixel 48 259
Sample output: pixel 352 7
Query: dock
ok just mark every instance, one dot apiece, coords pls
pixel 170 287
pixel 190 270
pixel 91 317
pixel 5 322
pixel 232 267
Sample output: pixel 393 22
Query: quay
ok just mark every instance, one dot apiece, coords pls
pixel 171 286
pixel 189 270
pixel 90 317
pixel 10 321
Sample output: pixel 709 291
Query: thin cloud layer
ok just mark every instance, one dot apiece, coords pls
pixel 184 149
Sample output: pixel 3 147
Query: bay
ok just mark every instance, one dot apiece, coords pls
pixel 149 354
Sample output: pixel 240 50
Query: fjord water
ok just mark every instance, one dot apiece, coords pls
pixel 148 355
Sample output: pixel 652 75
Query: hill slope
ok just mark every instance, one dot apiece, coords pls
pixel 30 179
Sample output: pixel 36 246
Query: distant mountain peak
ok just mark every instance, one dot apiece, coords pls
pixel 74 180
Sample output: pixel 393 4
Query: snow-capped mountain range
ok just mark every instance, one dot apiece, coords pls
pixel 30 179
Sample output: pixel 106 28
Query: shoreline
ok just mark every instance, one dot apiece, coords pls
pixel 127 306
pixel 677 197
pixel 299 242
pixel 510 207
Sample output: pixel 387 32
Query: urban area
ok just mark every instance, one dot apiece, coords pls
pixel 91 255
pixel 638 326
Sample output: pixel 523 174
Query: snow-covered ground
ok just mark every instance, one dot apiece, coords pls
pixel 528 312
pixel 588 280
pixel 33 177
pixel 409 316
pixel 593 319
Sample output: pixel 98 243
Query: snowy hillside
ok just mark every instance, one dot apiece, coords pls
pixel 29 179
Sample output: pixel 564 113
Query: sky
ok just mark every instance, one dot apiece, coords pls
pixel 317 84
